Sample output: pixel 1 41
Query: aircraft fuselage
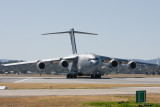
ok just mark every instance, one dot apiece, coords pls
pixel 88 64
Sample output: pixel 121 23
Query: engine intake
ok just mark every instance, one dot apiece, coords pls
pixel 64 63
pixel 41 65
pixel 113 63
pixel 132 65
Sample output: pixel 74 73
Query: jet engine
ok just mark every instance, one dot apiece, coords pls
pixel 64 63
pixel 132 65
pixel 113 63
pixel 41 65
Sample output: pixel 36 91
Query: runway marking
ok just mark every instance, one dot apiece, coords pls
pixel 21 80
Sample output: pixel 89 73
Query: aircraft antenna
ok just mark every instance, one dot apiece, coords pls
pixel 72 37
pixel 158 61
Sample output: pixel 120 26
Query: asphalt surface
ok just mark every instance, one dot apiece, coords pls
pixel 55 92
pixel 80 80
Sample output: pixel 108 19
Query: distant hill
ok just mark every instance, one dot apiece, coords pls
pixel 9 61
pixel 4 60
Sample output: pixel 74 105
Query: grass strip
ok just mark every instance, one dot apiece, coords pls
pixel 70 101
pixel 121 104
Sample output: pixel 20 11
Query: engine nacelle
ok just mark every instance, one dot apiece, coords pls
pixel 113 63
pixel 132 65
pixel 64 63
pixel 41 65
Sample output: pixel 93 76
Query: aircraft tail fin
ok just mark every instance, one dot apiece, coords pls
pixel 72 36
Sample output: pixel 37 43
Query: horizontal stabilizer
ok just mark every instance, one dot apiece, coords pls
pixel 71 32
pixel 85 33
pixel 72 36
pixel 56 33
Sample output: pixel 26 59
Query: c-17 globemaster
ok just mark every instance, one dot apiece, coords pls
pixel 82 64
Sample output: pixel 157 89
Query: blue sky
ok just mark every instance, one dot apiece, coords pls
pixel 126 28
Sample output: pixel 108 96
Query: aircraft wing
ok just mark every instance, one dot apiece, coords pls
pixel 124 61
pixel 53 60
pixel 19 63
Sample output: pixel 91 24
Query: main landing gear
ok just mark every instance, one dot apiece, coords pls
pixel 94 76
pixel 71 76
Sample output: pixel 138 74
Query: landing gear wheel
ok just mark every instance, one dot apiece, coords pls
pixel 98 76
pixel 95 76
pixel 75 76
pixel 71 76
pixel 92 76
pixel 67 76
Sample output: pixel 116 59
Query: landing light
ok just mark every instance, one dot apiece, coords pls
pixel 103 67
pixel 79 67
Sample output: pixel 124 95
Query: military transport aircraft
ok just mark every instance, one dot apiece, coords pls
pixel 82 64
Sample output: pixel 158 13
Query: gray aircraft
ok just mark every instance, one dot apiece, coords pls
pixel 82 64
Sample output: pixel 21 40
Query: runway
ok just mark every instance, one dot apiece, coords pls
pixel 57 92
pixel 116 80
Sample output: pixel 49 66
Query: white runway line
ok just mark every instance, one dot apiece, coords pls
pixel 21 80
